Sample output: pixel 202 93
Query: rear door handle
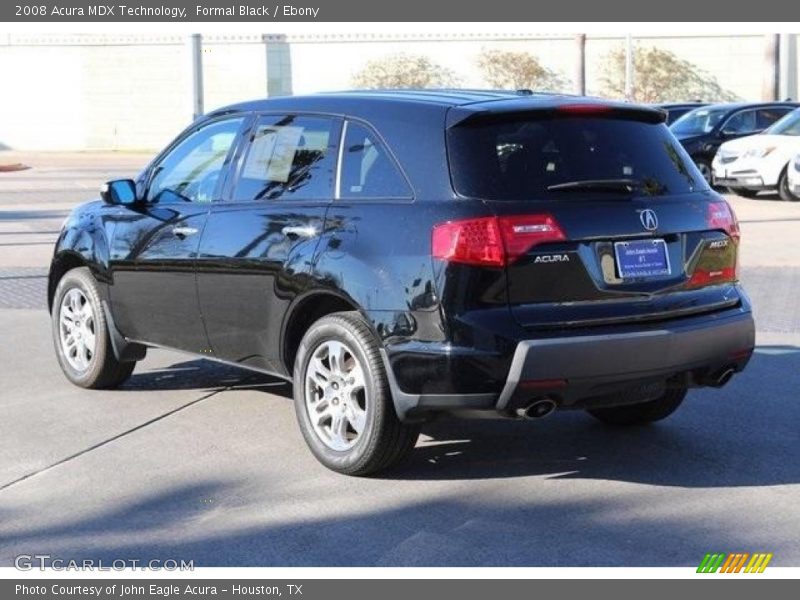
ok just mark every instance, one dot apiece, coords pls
pixel 304 231
pixel 183 232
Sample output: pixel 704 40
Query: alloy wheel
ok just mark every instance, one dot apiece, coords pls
pixel 336 395
pixel 77 329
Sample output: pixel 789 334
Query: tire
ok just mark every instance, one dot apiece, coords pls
pixel 705 169
pixel 743 192
pixel 77 313
pixel 345 388
pixel 645 412
pixel 783 189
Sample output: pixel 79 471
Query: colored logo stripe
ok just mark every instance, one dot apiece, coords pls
pixel 728 562
pixel 733 563
pixel 758 563
pixel 710 563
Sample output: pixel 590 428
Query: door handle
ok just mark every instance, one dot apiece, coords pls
pixel 183 232
pixel 304 231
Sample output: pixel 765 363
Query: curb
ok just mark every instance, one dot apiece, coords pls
pixel 13 167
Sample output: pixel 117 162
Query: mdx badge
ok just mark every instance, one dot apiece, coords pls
pixel 649 219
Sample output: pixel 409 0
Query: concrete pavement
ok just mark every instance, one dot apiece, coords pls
pixel 197 461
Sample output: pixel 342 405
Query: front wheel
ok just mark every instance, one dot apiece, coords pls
pixel 342 398
pixel 644 412
pixel 783 189
pixel 80 334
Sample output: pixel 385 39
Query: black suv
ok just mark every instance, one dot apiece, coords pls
pixel 401 255
pixel 675 110
pixel 703 130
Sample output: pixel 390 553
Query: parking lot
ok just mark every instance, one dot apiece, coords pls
pixel 197 461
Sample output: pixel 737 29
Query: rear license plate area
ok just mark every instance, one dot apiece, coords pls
pixel 642 259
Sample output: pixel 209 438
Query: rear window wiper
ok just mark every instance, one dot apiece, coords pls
pixel 601 185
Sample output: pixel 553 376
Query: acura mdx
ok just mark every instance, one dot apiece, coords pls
pixel 400 255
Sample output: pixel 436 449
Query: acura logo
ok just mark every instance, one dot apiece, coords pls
pixel 649 219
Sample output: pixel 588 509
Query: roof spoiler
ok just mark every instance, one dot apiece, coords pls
pixel 514 110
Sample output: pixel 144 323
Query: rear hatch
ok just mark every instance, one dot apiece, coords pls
pixel 603 216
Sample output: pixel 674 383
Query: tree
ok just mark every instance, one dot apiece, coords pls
pixel 404 71
pixel 506 69
pixel 660 76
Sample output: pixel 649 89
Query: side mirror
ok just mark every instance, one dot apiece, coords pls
pixel 119 191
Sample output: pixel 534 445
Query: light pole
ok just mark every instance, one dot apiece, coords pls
pixel 196 53
pixel 580 64
pixel 628 68
pixel 769 83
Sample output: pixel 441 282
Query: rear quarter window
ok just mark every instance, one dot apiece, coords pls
pixel 522 159
pixel 367 170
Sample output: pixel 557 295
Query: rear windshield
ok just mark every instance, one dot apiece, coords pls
pixel 788 125
pixel 521 159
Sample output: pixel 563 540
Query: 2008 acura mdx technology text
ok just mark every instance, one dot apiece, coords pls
pixel 400 255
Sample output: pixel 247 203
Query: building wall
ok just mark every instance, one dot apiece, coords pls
pixel 233 70
pixel 134 91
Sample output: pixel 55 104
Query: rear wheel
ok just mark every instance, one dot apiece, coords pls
pixel 783 188
pixel 342 398
pixel 80 334
pixel 743 192
pixel 645 412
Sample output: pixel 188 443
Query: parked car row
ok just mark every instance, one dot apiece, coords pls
pixel 746 147
pixel 760 162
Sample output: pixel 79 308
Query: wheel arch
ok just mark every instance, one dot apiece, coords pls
pixel 305 310
pixel 62 263
pixel 83 242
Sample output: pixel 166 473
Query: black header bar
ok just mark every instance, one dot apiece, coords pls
pixel 131 11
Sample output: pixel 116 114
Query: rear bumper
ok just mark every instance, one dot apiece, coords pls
pixel 586 366
pixel 575 369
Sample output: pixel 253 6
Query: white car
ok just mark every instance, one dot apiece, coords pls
pixel 760 162
pixel 794 175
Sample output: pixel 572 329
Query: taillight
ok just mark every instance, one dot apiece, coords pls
pixel 703 277
pixel 720 215
pixel 472 242
pixel 523 232
pixel 493 241
pixel 718 264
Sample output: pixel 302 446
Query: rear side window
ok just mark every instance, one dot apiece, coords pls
pixel 368 170
pixel 288 157
pixel 528 158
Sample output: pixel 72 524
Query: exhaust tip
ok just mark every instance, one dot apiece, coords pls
pixel 537 409
pixel 719 378
pixel 724 377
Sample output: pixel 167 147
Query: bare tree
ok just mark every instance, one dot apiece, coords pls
pixel 404 71
pixel 660 76
pixel 508 69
